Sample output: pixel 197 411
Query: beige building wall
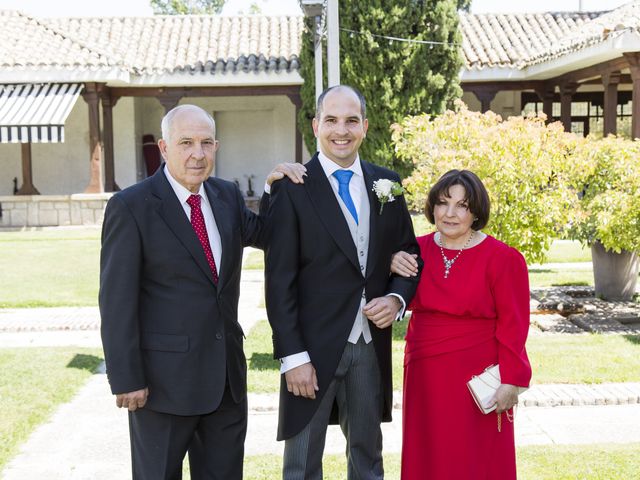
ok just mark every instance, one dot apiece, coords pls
pixel 255 134
pixel 506 103
pixel 58 168
pixel 62 168
pixel 10 167
pixel 125 142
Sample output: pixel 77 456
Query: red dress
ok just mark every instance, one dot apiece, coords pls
pixel 460 325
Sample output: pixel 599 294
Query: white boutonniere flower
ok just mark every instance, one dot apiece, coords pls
pixel 387 190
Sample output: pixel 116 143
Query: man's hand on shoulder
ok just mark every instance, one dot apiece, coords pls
pixel 295 172
pixel 382 311
pixel 132 400
pixel 302 381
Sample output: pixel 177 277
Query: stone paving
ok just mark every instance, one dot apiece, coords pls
pixel 577 310
pixel 49 319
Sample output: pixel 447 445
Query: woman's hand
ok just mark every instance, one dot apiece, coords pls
pixel 404 264
pixel 506 397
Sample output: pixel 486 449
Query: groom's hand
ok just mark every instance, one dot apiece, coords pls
pixel 382 311
pixel 132 400
pixel 302 381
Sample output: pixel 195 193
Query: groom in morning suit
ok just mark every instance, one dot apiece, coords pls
pixel 331 300
pixel 169 286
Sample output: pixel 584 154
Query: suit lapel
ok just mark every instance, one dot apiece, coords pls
pixel 374 218
pixel 172 213
pixel 221 212
pixel 326 204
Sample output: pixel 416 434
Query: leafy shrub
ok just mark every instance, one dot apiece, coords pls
pixel 524 163
pixel 607 174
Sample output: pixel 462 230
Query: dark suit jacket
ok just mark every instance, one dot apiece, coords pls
pixel 165 325
pixel 314 282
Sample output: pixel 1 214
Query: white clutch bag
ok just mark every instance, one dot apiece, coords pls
pixel 484 386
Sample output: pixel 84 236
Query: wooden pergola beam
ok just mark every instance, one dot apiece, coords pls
pixel 117 92
pixel 610 81
pixel 108 103
pixel 27 187
pixel 296 99
pixel 91 95
pixel 588 75
pixel 593 71
pixel 633 58
pixel 504 86
pixel 567 90
pixel 547 92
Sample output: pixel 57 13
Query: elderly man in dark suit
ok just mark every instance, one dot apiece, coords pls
pixel 330 297
pixel 169 286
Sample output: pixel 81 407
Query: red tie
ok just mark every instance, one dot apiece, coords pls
pixel 197 222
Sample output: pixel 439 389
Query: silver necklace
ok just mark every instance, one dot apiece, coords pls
pixel 448 263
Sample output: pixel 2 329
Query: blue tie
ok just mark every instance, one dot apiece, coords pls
pixel 344 176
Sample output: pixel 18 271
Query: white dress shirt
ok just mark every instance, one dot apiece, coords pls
pixel 209 220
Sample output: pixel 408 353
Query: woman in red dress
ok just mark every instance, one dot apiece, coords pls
pixel 471 311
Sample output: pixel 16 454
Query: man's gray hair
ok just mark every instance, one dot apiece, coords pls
pixel 167 120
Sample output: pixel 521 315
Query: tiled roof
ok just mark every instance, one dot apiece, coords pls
pixel 28 42
pixel 193 43
pixel 152 45
pixel 516 40
pixel 608 25
pixel 522 40
pixel 217 45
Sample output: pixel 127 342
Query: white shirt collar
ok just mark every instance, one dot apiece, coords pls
pixel 329 166
pixel 181 192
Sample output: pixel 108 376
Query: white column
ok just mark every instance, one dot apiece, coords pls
pixel 317 55
pixel 333 43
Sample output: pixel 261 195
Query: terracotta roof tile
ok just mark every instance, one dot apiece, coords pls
pixel 516 40
pixel 30 42
pixel 194 43
pixel 609 24
pixel 219 45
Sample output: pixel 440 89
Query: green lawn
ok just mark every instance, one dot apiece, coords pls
pixel 253 260
pixel 33 382
pixel 588 358
pixel 556 462
pixel 546 277
pixel 555 358
pixel 579 462
pixel 263 371
pixel 568 251
pixel 60 267
pixel 49 268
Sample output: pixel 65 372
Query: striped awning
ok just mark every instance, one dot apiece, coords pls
pixel 36 112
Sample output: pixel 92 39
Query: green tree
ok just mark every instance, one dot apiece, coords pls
pixel 184 7
pixel 254 9
pixel 397 78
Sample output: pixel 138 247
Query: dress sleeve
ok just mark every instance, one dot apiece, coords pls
pixel 511 294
